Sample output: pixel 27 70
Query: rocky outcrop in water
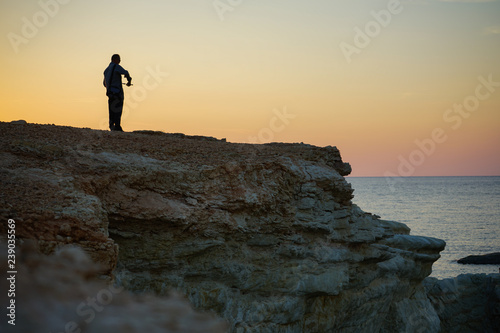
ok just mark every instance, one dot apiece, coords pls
pixel 485 259
pixel 267 236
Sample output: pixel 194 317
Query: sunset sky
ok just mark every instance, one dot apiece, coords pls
pixel 409 88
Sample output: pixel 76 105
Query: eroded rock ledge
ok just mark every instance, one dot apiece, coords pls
pixel 264 235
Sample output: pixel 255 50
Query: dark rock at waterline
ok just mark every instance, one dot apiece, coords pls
pixel 486 259
pixel 466 303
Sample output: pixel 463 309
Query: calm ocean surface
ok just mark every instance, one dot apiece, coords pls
pixel 463 211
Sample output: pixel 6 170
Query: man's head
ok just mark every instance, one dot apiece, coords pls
pixel 115 58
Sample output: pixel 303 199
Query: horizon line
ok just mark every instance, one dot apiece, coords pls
pixel 422 176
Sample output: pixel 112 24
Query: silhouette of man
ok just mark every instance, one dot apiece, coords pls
pixel 114 91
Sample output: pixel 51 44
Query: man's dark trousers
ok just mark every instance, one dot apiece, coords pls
pixel 115 104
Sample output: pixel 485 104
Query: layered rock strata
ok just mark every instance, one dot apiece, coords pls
pixel 466 303
pixel 267 236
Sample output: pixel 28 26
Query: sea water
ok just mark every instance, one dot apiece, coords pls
pixel 463 211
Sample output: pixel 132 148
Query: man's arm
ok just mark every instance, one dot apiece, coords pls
pixel 125 73
pixel 129 79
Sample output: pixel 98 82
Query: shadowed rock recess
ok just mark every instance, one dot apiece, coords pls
pixel 265 236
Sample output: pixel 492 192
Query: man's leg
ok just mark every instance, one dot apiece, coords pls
pixel 115 113
pixel 118 111
pixel 118 118
pixel 111 118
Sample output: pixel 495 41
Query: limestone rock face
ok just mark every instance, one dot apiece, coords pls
pixel 466 303
pixel 267 236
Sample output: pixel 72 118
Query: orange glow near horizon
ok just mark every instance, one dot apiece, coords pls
pixel 266 72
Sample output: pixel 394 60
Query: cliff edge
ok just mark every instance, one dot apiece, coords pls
pixel 266 236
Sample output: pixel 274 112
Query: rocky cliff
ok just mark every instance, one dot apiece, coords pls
pixel 266 236
pixel 466 303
